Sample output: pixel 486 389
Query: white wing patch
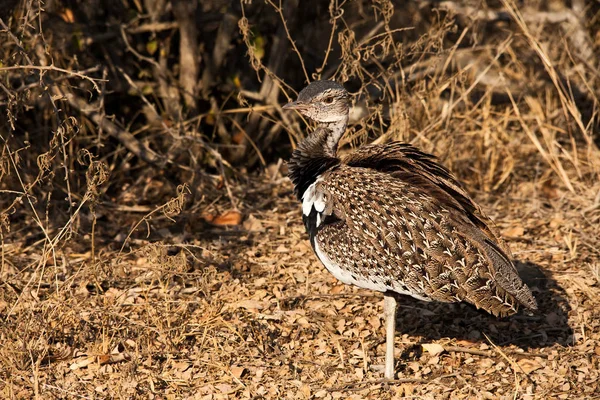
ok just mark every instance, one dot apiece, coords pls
pixel 314 198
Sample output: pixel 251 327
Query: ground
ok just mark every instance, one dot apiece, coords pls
pixel 215 311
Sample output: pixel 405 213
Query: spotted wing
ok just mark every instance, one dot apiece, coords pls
pixel 399 231
pixel 408 163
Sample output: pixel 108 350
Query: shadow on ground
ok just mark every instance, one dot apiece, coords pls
pixel 544 328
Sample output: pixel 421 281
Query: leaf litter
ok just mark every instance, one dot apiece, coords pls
pixel 255 315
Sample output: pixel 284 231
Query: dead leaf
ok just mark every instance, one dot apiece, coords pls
pixel 528 365
pixel 250 304
pixel 238 137
pixel 253 225
pixel 515 231
pixel 282 249
pixel 337 289
pixel 224 388
pixel 237 372
pixel 112 358
pixel 228 218
pixel 82 363
pixel 549 188
pixel 434 360
pixel 305 390
pixel 433 348
pixel 68 16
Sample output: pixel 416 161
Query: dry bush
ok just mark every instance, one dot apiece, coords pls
pixel 141 238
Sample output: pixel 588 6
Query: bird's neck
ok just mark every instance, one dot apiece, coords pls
pixel 335 130
pixel 314 156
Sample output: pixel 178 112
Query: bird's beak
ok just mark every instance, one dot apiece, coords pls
pixel 294 105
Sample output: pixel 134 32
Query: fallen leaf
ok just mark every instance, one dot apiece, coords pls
pixel 549 188
pixel 224 388
pixel 228 218
pixel 515 231
pixel 433 348
pixel 253 225
pixel 82 363
pixel 68 16
pixel 305 390
pixel 237 372
pixel 238 137
pixel 528 365
pixel 282 249
pixel 250 304
pixel 112 358
pixel 434 360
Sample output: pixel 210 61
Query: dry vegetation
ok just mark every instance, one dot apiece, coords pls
pixel 151 245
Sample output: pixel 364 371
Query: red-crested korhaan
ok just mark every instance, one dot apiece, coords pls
pixel 390 218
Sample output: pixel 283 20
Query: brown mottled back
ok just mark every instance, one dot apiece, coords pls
pixel 406 224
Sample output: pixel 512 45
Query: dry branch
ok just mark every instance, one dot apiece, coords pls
pixel 223 39
pixel 91 111
pixel 185 12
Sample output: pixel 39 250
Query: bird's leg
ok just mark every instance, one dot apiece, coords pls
pixel 389 311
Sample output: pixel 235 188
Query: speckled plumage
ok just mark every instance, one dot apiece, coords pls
pixel 400 219
pixel 390 218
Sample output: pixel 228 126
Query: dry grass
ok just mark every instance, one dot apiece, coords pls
pixel 147 254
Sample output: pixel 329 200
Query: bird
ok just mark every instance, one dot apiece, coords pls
pixel 390 218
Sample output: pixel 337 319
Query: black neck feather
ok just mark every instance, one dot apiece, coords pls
pixel 311 159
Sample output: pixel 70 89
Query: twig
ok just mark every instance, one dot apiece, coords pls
pixel 16 41
pixel 254 146
pixel 358 385
pixel 220 161
pixel 293 5
pixel 79 74
pixel 153 27
pixel 333 22
pixel 513 364
pixel 460 349
pixel 184 12
pixel 62 78
pixel 70 393
pixel 127 139
pixel 240 110
pixel 174 204
pixel 136 53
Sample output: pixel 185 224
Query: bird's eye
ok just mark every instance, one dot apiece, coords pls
pixel 328 100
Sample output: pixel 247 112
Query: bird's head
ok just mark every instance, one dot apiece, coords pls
pixel 323 102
